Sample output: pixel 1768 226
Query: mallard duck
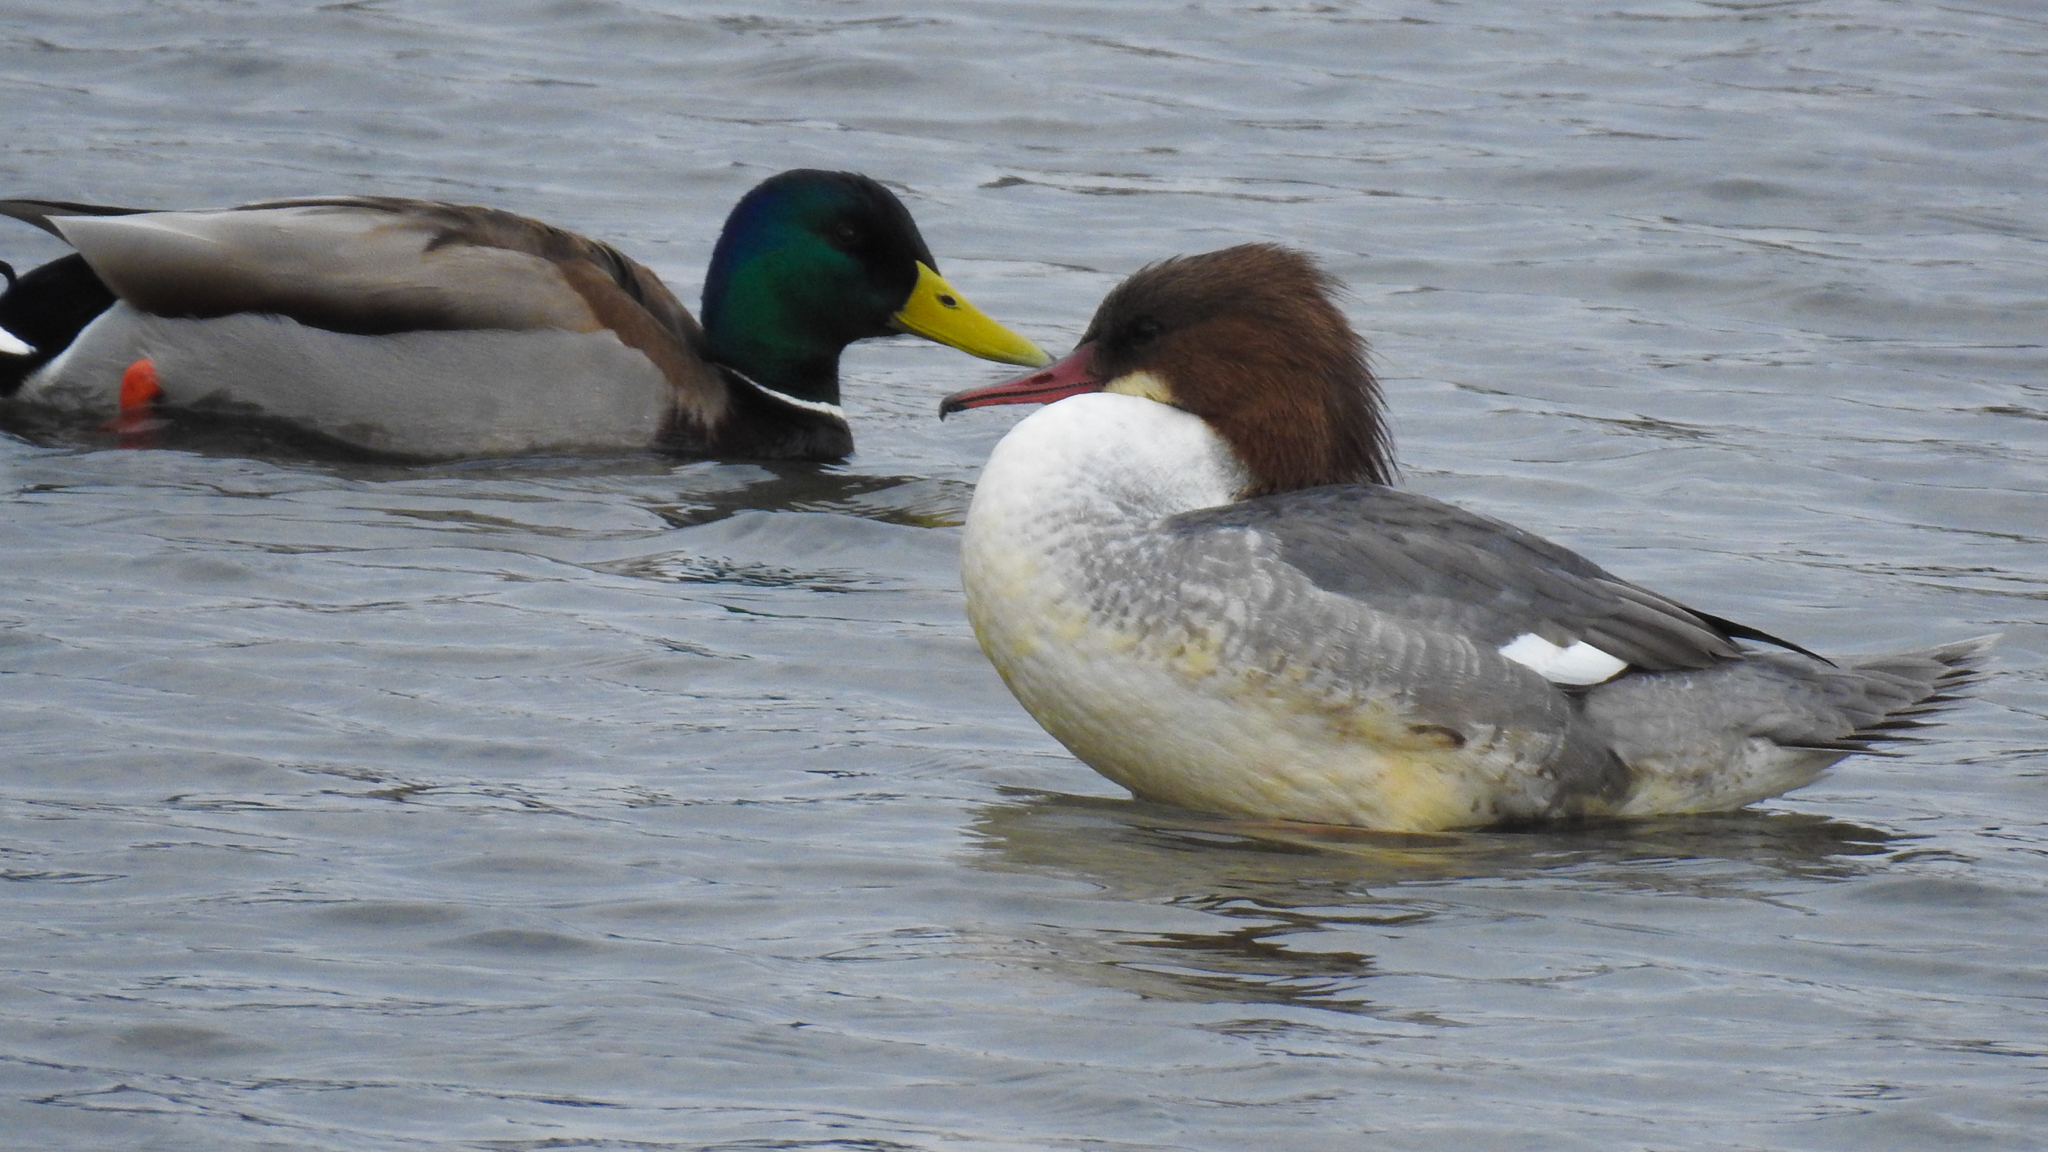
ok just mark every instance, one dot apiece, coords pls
pixel 421 329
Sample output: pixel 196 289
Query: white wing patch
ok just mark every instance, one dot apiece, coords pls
pixel 1579 664
pixel 14 345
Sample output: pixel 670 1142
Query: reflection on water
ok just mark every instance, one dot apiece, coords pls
pixel 1147 851
pixel 912 501
pixel 1271 891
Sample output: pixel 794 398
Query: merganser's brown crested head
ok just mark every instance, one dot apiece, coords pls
pixel 1249 339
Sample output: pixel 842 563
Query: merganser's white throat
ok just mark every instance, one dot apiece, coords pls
pixel 1105 457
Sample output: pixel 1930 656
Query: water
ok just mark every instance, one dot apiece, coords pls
pixel 634 804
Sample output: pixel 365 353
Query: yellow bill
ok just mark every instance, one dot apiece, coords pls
pixel 937 311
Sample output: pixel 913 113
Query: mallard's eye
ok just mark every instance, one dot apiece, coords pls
pixel 847 236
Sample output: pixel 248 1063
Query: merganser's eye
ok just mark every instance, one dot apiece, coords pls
pixel 1145 329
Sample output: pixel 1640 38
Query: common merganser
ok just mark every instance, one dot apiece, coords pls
pixel 1192 571
pixel 420 329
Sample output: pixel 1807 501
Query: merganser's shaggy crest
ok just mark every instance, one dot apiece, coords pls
pixel 1193 574
pixel 420 329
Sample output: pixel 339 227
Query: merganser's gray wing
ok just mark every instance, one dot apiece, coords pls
pixel 1453 570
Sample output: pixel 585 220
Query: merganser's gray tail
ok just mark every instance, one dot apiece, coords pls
pixel 1716 738
pixel 1900 689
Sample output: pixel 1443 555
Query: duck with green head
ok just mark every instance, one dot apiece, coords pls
pixel 420 329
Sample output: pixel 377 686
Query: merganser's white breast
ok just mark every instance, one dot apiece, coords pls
pixel 1200 669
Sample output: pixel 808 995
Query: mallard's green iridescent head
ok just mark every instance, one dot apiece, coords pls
pixel 811 261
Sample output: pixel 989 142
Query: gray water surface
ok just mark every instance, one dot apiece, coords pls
pixel 635 804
